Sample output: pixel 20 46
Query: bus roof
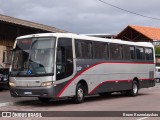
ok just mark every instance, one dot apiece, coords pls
pixel 84 37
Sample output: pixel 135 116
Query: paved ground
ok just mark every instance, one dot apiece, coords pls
pixel 147 100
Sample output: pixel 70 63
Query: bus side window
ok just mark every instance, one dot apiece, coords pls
pixel 115 51
pixel 100 50
pixel 84 49
pixel 64 64
pixel 149 54
pixel 140 53
pixel 129 52
pixel 132 52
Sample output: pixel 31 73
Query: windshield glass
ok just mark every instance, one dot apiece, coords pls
pixel 33 56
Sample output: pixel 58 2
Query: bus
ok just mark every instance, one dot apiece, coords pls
pixel 65 65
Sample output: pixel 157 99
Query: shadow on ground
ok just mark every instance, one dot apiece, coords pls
pixel 65 101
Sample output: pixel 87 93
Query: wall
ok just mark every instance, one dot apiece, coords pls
pixel 2 48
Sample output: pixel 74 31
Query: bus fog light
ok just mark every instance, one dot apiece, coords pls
pixel 46 83
pixel 12 84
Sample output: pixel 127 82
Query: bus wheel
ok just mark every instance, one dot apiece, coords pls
pixel 80 94
pixel 105 94
pixel 44 99
pixel 134 90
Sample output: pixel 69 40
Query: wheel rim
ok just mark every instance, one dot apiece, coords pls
pixel 135 88
pixel 80 94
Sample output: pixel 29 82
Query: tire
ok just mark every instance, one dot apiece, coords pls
pixel 157 80
pixel 134 91
pixel 80 94
pixel 44 100
pixel 105 94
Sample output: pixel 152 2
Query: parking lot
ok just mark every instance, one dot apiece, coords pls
pixel 147 100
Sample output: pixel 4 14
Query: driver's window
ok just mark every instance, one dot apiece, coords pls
pixel 64 61
pixel 60 61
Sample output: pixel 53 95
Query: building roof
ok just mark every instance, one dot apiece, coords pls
pixel 25 23
pixel 150 32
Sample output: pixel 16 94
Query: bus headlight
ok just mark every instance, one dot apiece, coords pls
pixel 12 84
pixel 44 84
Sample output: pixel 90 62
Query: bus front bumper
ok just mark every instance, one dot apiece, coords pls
pixel 48 92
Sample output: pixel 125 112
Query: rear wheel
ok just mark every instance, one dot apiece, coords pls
pixel 134 90
pixel 80 94
pixel 44 99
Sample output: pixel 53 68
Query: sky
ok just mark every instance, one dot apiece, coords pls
pixel 84 16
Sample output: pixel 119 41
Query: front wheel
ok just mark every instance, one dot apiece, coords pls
pixel 80 94
pixel 134 90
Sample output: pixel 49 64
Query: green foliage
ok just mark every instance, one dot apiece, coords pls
pixel 157 50
pixel 158 64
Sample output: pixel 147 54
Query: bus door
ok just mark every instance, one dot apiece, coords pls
pixel 64 60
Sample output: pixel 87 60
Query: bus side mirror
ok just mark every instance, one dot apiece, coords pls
pixel 7 55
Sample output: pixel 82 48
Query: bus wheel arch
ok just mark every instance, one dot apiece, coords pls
pixel 84 83
pixel 137 80
pixel 135 87
pixel 80 92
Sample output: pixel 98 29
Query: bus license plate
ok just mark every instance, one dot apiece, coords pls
pixel 28 93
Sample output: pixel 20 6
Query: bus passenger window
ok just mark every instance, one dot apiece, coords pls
pixel 115 51
pixel 140 53
pixel 132 52
pixel 84 49
pixel 129 52
pixel 100 50
pixel 149 53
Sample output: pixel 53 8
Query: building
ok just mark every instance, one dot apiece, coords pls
pixel 139 33
pixel 10 28
pixel 142 34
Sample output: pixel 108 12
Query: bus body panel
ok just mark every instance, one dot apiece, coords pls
pixel 100 77
pixel 111 76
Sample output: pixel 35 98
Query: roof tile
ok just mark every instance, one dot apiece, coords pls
pixel 150 32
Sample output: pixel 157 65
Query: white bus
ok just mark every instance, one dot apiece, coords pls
pixel 57 65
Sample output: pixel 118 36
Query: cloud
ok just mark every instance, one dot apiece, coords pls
pixel 1 11
pixel 84 16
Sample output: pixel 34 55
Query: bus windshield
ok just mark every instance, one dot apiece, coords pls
pixel 33 56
